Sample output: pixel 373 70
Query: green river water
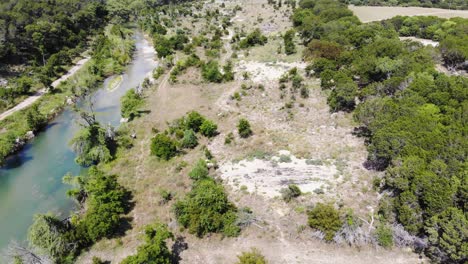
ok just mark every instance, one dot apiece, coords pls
pixel 31 181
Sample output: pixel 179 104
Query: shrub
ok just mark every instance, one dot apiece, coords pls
pixel 229 138
pixel 289 47
pixel 163 147
pixel 200 171
pixel 384 236
pixel 194 120
pixel 211 73
pixel 254 38
pixel 207 209
pixel 189 140
pixel 251 257
pixel 208 128
pixel 291 192
pixel 130 103
pixel 155 249
pixel 244 128
pixel 325 218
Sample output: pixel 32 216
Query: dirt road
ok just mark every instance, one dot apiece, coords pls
pixel 33 98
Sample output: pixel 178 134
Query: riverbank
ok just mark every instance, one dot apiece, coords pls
pixel 15 130
pixel 39 167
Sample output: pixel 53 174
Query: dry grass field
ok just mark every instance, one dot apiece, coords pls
pixel 377 13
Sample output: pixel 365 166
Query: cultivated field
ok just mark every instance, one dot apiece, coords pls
pixel 377 13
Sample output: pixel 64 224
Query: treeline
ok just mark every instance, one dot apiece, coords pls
pixel 446 4
pixel 451 33
pixel 412 116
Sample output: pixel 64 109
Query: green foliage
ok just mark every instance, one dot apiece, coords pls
pixel 325 218
pixel 243 128
pixel 47 233
pixel 291 192
pixel 97 260
pixel 342 97
pixel 254 38
pixel 130 103
pixel 384 236
pixel 206 209
pixel 92 145
pixel 194 121
pixel 34 118
pixel 251 257
pixel 200 171
pixel 163 147
pixel 288 38
pixel 456 4
pixel 211 73
pixel 189 140
pixel 208 128
pixel 448 236
pixel 155 249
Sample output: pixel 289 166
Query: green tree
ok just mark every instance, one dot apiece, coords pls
pixel 325 218
pixel 288 38
pixel 448 236
pixel 35 120
pixel 189 140
pixel 92 145
pixel 244 128
pixel 208 128
pixel 200 171
pixel 207 209
pixel 130 103
pixel 155 249
pixel 194 120
pixel 211 73
pixel 163 147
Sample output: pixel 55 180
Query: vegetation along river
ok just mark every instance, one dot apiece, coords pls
pixel 31 181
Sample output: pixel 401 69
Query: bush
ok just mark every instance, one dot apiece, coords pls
pixel 291 192
pixel 207 209
pixel 130 103
pixel 211 73
pixel 200 171
pixel 208 128
pixel 254 38
pixel 155 249
pixel 189 140
pixel 384 236
pixel 229 138
pixel 244 128
pixel 163 147
pixel 194 120
pixel 325 218
pixel 289 47
pixel 251 257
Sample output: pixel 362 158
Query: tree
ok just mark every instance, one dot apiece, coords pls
pixel 211 73
pixel 200 171
pixel 48 234
pixel 92 145
pixel 155 249
pixel 253 38
pixel 251 257
pixel 342 97
pixel 163 147
pixel 130 103
pixel 34 118
pixel 194 120
pixel 189 140
pixel 207 209
pixel 448 236
pixel 244 128
pixel 325 218
pixel 208 128
pixel 288 38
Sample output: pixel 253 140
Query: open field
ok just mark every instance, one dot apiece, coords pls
pixel 377 13
pixel 302 143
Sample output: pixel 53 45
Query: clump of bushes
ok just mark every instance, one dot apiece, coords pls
pixel 253 39
pixel 164 147
pixel 130 104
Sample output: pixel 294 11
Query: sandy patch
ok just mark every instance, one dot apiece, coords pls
pixel 260 71
pixel 268 177
pixel 425 42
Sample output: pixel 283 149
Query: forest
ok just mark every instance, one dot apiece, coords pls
pixel 411 115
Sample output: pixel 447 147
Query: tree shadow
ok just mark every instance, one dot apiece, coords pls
pixel 177 248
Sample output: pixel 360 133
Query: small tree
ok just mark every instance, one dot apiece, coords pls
pixel 130 103
pixel 244 128
pixel 384 236
pixel 251 257
pixel 194 120
pixel 289 46
pixel 325 218
pixel 208 128
pixel 211 73
pixel 34 118
pixel 200 171
pixel 189 140
pixel 163 147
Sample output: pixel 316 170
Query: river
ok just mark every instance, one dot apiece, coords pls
pixel 31 181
